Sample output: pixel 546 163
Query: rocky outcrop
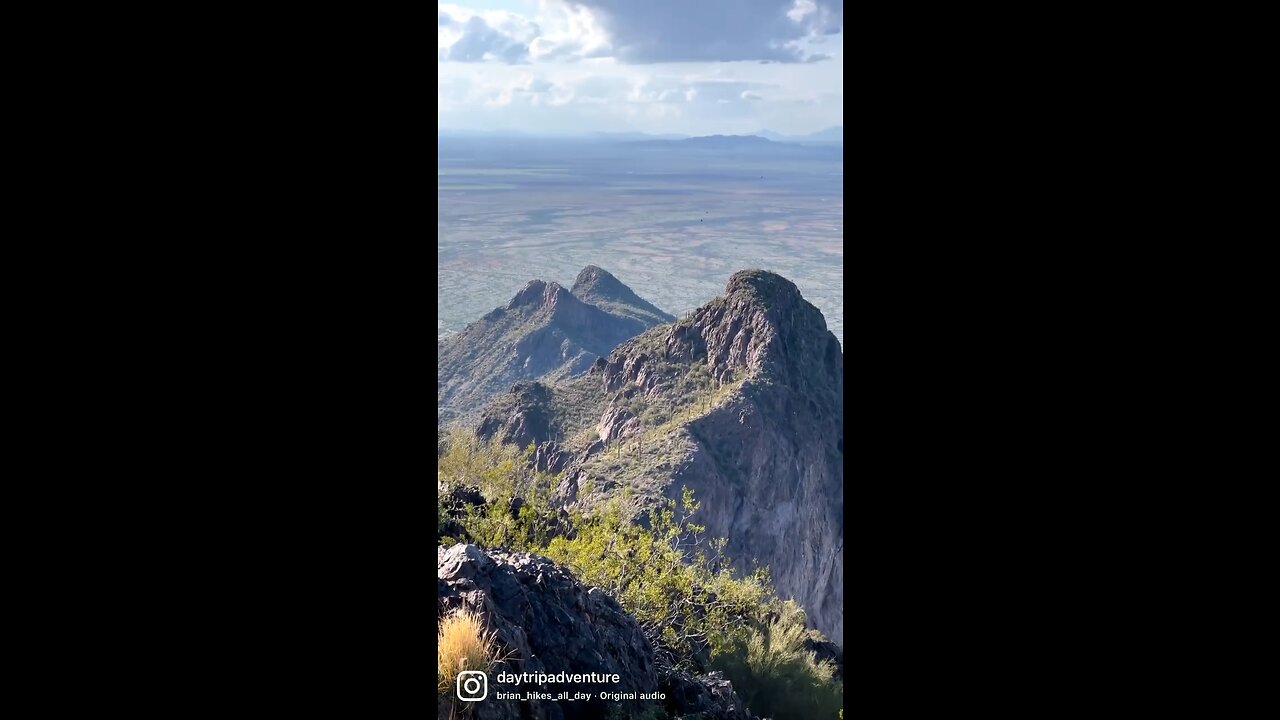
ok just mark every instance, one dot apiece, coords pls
pixel 545 331
pixel 760 440
pixel 547 622
pixel 769 460
pixel 521 416
pixel 707 696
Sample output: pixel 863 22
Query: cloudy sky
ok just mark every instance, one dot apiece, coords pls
pixel 693 67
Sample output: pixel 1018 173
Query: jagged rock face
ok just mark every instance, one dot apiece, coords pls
pixel 770 480
pixel 766 460
pixel 549 623
pixel 527 418
pixel 546 621
pixel 769 464
pixel 706 696
pixel 550 457
pixel 616 423
pixel 760 325
pixel 544 332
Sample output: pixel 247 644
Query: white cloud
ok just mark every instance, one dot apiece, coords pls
pixel 800 9
pixel 556 68
pixel 464 35
pixel 651 31
pixel 657 31
pixel 570 32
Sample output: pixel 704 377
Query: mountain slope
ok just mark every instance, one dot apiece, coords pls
pixel 741 402
pixel 544 332
pixel 603 290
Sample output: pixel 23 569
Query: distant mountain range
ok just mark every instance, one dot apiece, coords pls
pixel 830 135
pixel 633 136
pixel 742 146
pixel 602 136
pixel 711 142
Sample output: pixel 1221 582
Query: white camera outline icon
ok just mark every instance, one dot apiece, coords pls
pixel 484 685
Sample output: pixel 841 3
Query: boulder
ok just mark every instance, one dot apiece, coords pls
pixel 546 621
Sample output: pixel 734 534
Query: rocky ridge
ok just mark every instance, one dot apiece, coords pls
pixel 545 331
pixel 742 401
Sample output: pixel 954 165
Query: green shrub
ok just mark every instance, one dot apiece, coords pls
pixel 442 514
pixel 676 584
pixel 775 676
pixel 502 473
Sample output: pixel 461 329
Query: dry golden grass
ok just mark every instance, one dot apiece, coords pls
pixel 463 645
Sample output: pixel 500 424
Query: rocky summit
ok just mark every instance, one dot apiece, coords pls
pixel 603 290
pixel 741 401
pixel 544 332
pixel 547 622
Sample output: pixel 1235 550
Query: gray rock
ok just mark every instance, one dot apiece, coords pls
pixel 546 621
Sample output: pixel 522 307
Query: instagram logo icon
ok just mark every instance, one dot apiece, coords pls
pixel 473 685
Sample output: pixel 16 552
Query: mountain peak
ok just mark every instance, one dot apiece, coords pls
pixel 543 332
pixel 767 287
pixel 763 323
pixel 596 286
pixel 598 281
pixel 537 293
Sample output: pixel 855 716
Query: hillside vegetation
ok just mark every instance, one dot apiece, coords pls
pixel 678 584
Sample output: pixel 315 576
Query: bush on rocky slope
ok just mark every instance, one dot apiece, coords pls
pixel 775 674
pixel 505 480
pixel 547 622
pixel 676 584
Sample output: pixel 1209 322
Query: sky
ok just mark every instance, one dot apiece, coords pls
pixel 688 67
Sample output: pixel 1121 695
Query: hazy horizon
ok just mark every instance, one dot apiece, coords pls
pixel 529 184
pixel 591 133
